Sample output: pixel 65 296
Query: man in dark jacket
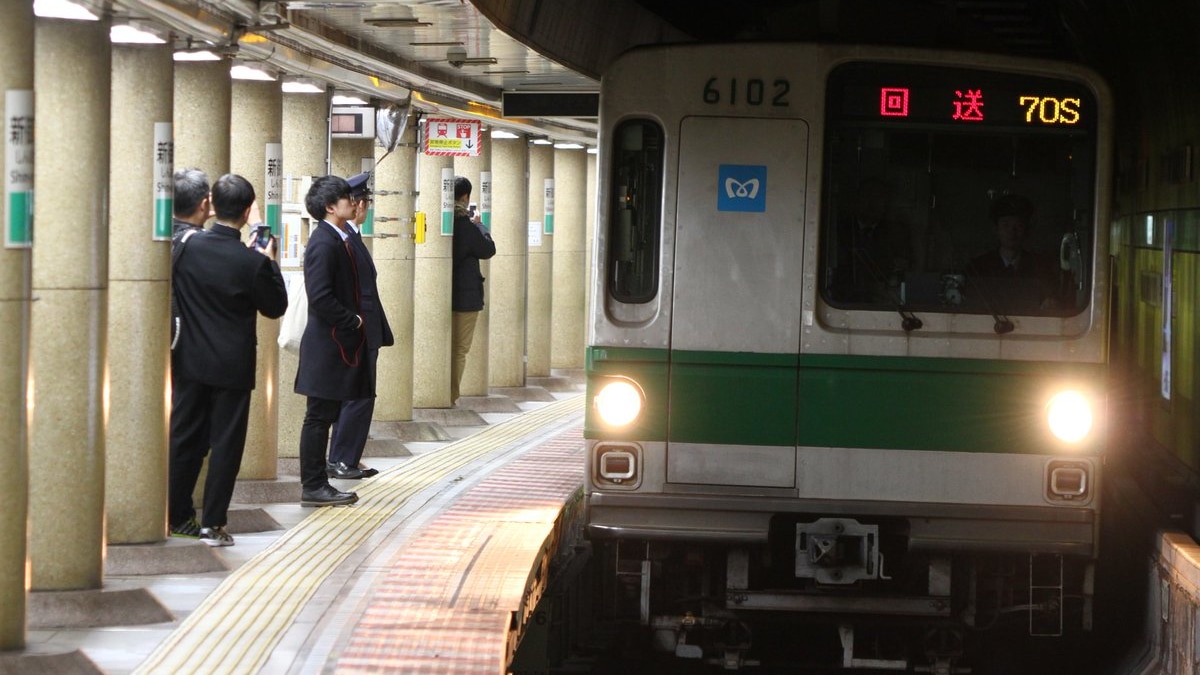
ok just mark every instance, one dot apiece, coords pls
pixel 220 287
pixel 471 244
pixel 346 327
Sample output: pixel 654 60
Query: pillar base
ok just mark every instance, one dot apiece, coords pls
pixel 409 430
pixel 450 417
pixel 70 663
pixel 173 556
pixel 492 403
pixel 554 383
pixel 93 609
pixel 525 394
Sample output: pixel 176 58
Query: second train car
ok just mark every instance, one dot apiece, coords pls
pixel 847 353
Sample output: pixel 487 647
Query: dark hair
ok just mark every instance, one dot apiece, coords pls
pixel 324 191
pixel 462 186
pixel 191 188
pixel 1011 205
pixel 232 195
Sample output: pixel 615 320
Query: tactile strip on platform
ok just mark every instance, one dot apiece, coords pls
pixel 236 628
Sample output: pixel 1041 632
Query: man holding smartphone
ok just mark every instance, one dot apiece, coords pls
pixel 220 287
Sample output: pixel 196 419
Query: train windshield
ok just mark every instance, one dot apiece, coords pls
pixel 957 190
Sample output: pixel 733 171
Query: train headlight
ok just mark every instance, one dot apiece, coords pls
pixel 1069 414
pixel 619 403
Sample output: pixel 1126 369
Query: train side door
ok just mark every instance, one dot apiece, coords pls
pixel 735 326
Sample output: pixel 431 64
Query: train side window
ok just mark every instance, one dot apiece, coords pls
pixel 634 227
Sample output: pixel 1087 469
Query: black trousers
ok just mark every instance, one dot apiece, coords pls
pixel 350 432
pixel 314 438
pixel 203 417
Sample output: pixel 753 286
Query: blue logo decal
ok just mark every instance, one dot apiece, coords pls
pixel 741 188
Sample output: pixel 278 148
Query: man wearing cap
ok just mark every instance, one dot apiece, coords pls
pixel 354 421
pixel 346 327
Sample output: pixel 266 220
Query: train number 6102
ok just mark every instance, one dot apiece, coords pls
pixel 752 92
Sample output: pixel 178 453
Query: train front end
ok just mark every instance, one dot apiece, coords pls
pixel 811 393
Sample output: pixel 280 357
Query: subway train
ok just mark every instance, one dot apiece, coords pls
pixel 847 353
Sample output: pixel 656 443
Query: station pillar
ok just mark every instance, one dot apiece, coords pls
pixel 568 320
pixel 540 269
pixel 305 134
pixel 588 238
pixel 506 284
pixel 256 120
pixel 431 285
pixel 203 95
pixel 68 351
pixel 394 252
pixel 16 86
pixel 139 294
pixel 475 375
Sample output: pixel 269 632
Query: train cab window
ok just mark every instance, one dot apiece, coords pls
pixel 956 190
pixel 634 224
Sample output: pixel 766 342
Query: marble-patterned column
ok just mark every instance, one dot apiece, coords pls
pixel 16 85
pixel 394 252
pixel 305 131
pixel 348 154
pixel 570 267
pixel 589 239
pixel 203 95
pixel 431 287
pixel 256 119
pixel 139 294
pixel 475 375
pixel 68 353
pixel 506 283
pixel 540 269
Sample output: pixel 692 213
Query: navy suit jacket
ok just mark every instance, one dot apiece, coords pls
pixel 337 358
pixel 220 287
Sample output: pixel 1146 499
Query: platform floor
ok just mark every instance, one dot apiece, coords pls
pixel 421 576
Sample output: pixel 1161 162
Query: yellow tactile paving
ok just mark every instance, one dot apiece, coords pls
pixel 237 627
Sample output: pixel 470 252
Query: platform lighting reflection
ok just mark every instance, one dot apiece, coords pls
pixel 200 55
pixel 62 9
pixel 133 35
pixel 244 72
pixel 1070 416
pixel 300 87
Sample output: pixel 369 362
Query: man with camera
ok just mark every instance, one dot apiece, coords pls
pixel 220 287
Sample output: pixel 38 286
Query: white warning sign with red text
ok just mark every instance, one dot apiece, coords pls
pixel 459 138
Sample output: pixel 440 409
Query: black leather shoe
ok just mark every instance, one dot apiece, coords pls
pixel 342 470
pixel 367 471
pixel 326 495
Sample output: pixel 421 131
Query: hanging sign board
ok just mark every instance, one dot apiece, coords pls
pixel 452 137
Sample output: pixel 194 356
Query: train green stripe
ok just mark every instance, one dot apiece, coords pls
pixel 965 405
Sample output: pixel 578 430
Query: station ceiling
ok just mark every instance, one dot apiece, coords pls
pixel 463 54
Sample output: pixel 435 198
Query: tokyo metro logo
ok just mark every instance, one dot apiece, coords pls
pixel 742 188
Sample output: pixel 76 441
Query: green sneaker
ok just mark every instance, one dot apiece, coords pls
pixel 188 529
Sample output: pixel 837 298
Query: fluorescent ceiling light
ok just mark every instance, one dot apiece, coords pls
pixel 133 35
pixel 568 146
pixel 244 72
pixel 202 55
pixel 300 87
pixel 501 133
pixel 62 9
pixel 593 151
pixel 344 99
pixel 542 141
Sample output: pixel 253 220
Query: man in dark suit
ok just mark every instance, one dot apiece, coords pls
pixel 349 436
pixel 346 327
pixel 1011 275
pixel 220 287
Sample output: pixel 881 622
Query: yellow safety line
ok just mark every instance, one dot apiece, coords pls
pixel 238 625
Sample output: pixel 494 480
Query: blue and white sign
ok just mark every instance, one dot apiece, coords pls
pixel 741 187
